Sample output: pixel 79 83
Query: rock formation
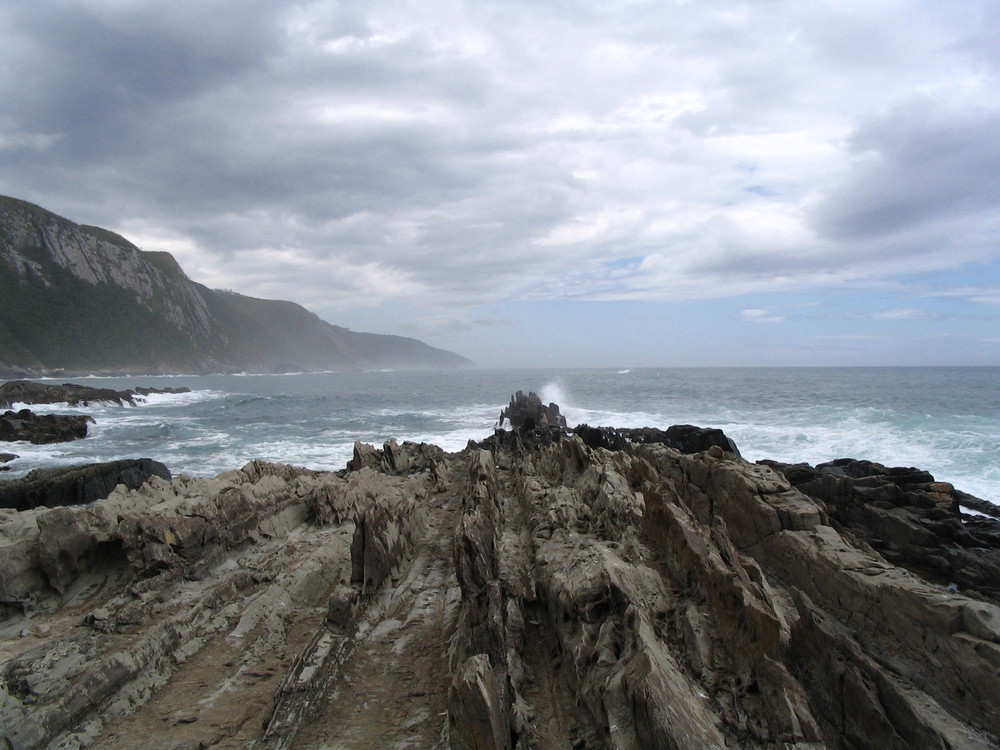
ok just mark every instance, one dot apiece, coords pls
pixel 29 392
pixel 528 412
pixel 912 520
pixel 531 591
pixel 77 485
pixel 41 429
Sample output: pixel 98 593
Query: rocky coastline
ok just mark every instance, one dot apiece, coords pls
pixel 31 393
pixel 43 429
pixel 545 587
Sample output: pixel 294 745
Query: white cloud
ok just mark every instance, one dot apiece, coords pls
pixel 900 313
pixel 452 154
pixel 760 315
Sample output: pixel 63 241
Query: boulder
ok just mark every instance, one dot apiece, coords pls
pixel 40 429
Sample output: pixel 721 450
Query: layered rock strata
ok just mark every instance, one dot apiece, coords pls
pixel 911 519
pixel 532 591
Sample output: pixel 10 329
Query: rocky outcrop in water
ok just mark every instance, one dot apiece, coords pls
pixel 41 429
pixel 527 412
pixel 30 392
pixel 685 438
pixel 522 593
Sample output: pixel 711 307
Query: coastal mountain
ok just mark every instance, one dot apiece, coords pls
pixel 81 299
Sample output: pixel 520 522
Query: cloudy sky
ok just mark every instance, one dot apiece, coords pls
pixel 555 182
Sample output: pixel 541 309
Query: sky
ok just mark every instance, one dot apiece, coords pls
pixel 616 183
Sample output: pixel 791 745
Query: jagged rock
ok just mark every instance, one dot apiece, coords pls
pixel 528 412
pixel 41 429
pixel 480 704
pixel 476 720
pixel 911 519
pixel 384 532
pixel 77 485
pixel 6 458
pixel 406 459
pixel 521 593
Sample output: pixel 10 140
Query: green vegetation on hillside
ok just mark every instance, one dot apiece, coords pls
pixel 153 318
pixel 82 325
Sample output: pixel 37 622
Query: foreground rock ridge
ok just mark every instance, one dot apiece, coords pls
pixel 535 590
pixel 81 299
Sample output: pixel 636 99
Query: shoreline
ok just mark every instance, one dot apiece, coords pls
pixel 537 584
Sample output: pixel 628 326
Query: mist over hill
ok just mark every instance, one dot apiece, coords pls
pixel 81 299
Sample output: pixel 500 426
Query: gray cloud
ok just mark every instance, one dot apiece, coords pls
pixel 342 153
pixel 918 164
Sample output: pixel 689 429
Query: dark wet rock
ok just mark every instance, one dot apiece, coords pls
pixel 30 392
pixel 77 485
pixel 683 437
pixel 691 439
pixel 41 429
pixel 526 412
pixel 601 437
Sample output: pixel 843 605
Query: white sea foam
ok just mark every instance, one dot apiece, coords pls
pixel 178 399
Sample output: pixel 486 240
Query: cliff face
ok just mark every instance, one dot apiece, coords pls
pixel 530 591
pixel 80 298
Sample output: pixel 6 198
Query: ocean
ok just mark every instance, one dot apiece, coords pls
pixel 942 419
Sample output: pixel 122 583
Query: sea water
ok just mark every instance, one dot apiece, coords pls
pixel 944 420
